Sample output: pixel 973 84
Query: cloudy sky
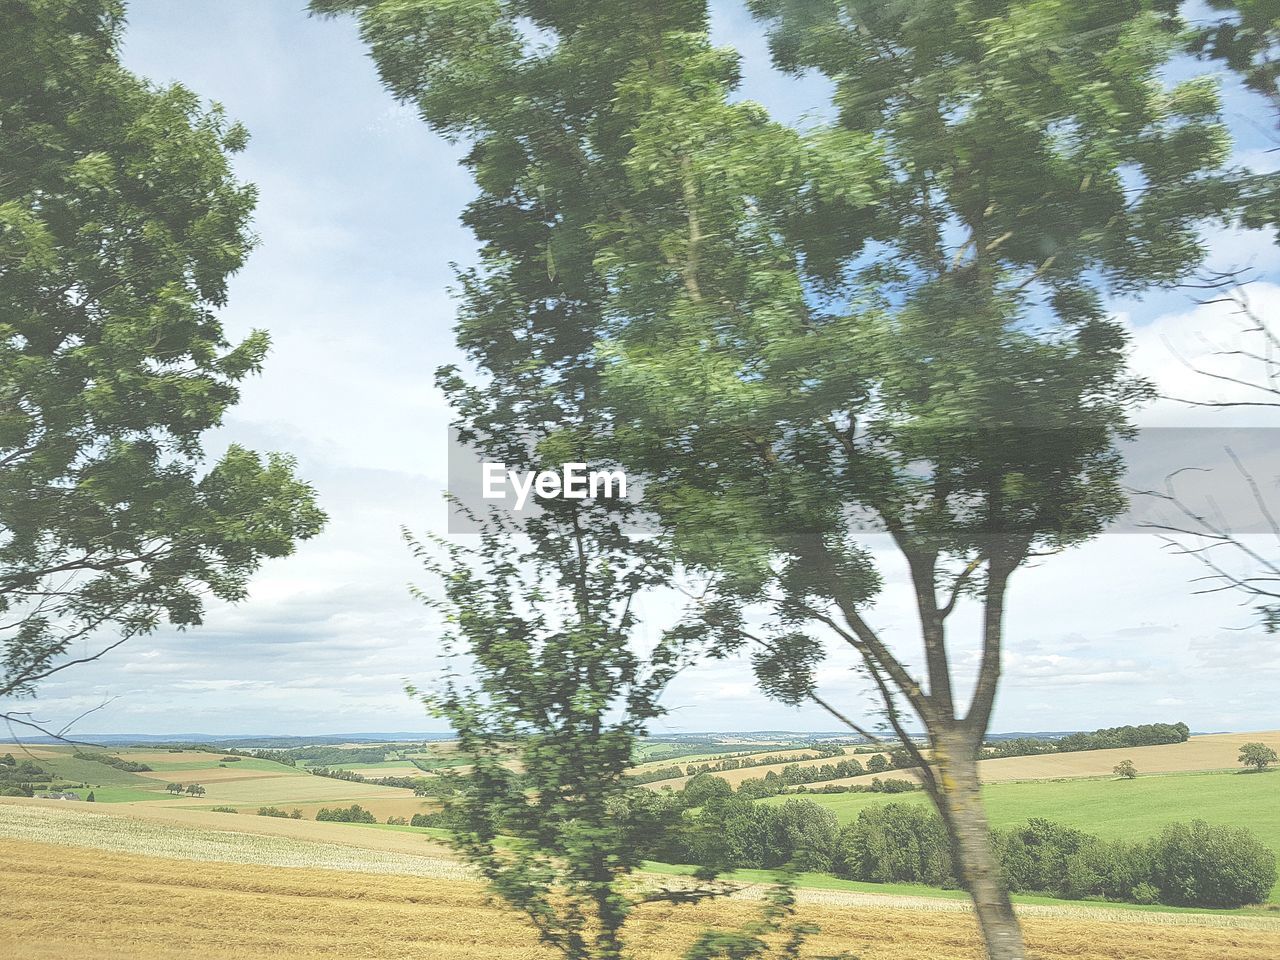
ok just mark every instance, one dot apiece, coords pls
pixel 358 227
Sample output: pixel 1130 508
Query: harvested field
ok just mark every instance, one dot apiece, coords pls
pixel 67 900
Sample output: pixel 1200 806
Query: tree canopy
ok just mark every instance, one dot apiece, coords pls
pixel 120 223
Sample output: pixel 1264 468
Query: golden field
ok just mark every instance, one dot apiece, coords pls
pixel 68 900
pixel 160 883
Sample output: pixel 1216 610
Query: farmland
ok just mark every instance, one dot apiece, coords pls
pixel 246 783
pixel 1202 753
pixel 230 894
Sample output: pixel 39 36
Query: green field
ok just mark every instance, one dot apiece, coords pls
pixel 825 881
pixel 1112 809
pixel 68 767
pixel 125 794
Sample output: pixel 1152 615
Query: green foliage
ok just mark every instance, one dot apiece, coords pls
pixel 559 692
pixel 1109 738
pixel 128 766
pixel 120 223
pixel 352 814
pixel 704 787
pixel 896 844
pixel 1205 865
pixel 1257 755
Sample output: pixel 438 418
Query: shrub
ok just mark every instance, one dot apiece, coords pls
pixel 225 810
pixel 397 822
pixel 1205 865
pixel 271 812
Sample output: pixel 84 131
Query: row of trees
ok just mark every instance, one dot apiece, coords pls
pixel 1194 864
pixel 191 789
pixel 1108 738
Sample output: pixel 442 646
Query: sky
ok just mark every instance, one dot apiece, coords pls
pixel 358 228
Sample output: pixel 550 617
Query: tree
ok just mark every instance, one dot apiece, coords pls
pixel 1125 770
pixel 91 798
pixel 549 724
pixel 704 787
pixel 1257 755
pixel 174 787
pixel 1206 865
pixel 956 381
pixel 120 223
pixel 896 318
pixel 877 764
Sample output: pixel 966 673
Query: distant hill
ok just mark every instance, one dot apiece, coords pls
pixel 248 741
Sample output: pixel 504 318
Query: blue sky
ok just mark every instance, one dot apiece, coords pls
pixel 358 226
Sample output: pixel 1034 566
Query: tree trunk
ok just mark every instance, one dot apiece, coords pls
pixel 960 805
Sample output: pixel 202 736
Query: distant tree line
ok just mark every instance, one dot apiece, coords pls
pixel 277 812
pixel 129 766
pixel 793 774
pixel 191 789
pixel 322 756
pixel 1108 738
pixel 274 756
pixel 419 785
pixel 742 761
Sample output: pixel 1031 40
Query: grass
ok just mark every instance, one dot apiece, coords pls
pixel 824 881
pixel 67 767
pixel 209 761
pixel 124 794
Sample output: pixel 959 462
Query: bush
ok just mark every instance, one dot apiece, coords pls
pixel 271 812
pixel 397 822
pixel 225 810
pixel 1204 865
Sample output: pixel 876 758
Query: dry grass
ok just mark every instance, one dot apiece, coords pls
pixel 67 900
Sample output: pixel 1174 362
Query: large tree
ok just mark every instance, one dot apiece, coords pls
pixel 120 224
pixel 955 382
pixel 893 319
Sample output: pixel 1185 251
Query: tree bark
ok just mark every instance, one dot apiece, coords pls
pixel 959 802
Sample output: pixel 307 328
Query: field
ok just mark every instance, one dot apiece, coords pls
pixel 1211 752
pixel 157 889
pixel 246 784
